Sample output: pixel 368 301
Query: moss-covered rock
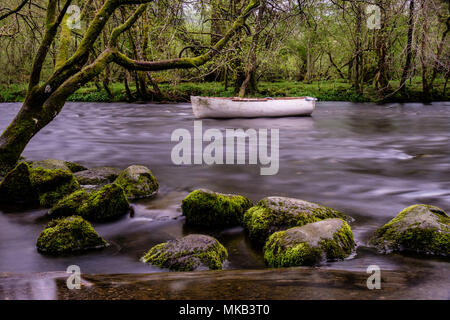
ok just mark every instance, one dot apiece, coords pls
pixel 68 235
pixel 311 244
pixel 70 204
pixel 104 204
pixel 212 209
pixel 16 186
pixel 420 228
pixel 75 167
pixel 52 184
pixel 97 176
pixel 32 183
pixel 274 214
pixel 107 203
pixel 50 164
pixel 138 182
pixel 190 253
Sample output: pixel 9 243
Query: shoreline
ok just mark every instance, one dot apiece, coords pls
pixel 298 283
pixel 330 90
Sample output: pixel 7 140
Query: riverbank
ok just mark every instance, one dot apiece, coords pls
pixel 332 90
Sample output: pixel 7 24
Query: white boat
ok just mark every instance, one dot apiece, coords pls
pixel 218 107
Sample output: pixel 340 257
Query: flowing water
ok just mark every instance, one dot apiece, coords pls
pixel 369 161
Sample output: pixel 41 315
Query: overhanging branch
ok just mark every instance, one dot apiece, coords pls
pixel 184 63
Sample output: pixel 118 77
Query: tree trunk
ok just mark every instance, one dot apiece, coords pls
pixel 335 66
pixel 382 81
pixel 358 51
pixel 408 48
pixel 127 87
pixel 426 90
pixel 249 85
pixel 440 48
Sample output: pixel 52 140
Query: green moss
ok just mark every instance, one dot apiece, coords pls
pixel 267 217
pixel 70 204
pixel 52 185
pixel 418 228
pixel 74 167
pixel 283 251
pixel 71 234
pixel 104 204
pixel 209 209
pixel 341 245
pixel 16 186
pixel 299 255
pixel 107 203
pixel 187 258
pixel 137 182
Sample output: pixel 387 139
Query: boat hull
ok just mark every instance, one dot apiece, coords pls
pixel 211 107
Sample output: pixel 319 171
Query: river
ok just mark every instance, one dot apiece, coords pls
pixel 366 160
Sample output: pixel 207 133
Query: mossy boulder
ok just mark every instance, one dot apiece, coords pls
pixel 70 204
pixel 190 253
pixel 104 204
pixel 50 164
pixel 97 176
pixel 137 182
pixel 16 186
pixel 420 228
pixel 69 235
pixel 212 209
pixel 274 214
pixel 75 167
pixel 311 244
pixel 52 184
pixel 26 184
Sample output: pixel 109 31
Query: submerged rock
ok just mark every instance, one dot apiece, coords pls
pixel 329 239
pixel 138 182
pixel 16 186
pixel 67 235
pixel 212 209
pixel 97 176
pixel 190 253
pixel 419 228
pixel 104 204
pixel 52 184
pixel 273 214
